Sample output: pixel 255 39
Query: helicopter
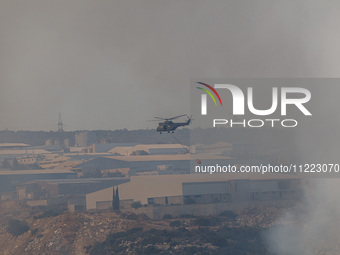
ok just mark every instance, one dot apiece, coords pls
pixel 170 126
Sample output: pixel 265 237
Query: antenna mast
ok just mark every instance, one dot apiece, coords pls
pixel 60 124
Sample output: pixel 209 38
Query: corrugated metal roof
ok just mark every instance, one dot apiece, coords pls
pixel 149 148
pixel 22 152
pixel 9 145
pixel 81 180
pixel 18 172
pixel 159 146
pixel 105 147
pixel 169 157
pixel 120 150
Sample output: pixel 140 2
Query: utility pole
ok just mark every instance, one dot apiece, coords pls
pixel 60 131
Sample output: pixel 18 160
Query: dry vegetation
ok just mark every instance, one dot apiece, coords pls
pixel 53 232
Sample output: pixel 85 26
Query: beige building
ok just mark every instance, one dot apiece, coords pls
pixel 53 161
pixel 175 189
pixel 151 149
pixel 27 160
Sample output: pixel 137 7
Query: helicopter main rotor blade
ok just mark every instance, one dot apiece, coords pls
pixel 176 117
pixel 160 118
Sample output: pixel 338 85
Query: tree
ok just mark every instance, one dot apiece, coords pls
pixel 189 201
pixel 115 199
pixel 6 164
pixel 16 165
pixel 136 204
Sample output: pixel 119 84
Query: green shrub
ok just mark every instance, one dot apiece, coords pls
pixel 185 215
pixel 205 221
pixel 136 204
pixel 17 227
pixel 189 201
pixel 229 215
pixel 175 223
pixel 167 216
pixel 47 214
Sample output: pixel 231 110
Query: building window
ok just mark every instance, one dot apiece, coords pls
pixel 284 185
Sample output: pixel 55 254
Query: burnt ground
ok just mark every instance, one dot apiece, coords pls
pixel 53 232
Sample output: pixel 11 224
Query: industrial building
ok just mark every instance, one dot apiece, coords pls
pixel 10 179
pixel 26 156
pixel 62 192
pixel 52 161
pixel 93 167
pixel 163 164
pixel 151 149
pixel 219 147
pixel 13 146
pixel 65 187
pixel 130 149
pixel 85 138
pixel 10 154
pixel 105 148
pixel 198 194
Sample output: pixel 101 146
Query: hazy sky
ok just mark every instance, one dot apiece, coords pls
pixel 115 64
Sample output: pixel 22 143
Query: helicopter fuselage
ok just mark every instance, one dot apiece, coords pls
pixel 168 125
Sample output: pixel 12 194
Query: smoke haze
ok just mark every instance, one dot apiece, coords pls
pixel 313 227
pixel 115 64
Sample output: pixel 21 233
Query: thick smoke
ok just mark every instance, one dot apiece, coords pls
pixel 313 227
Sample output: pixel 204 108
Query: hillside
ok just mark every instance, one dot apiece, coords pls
pixel 111 233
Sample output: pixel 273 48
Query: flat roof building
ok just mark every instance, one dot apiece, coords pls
pixel 10 179
pixel 65 187
pixel 13 145
pixel 142 163
pixel 142 188
pixel 151 149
